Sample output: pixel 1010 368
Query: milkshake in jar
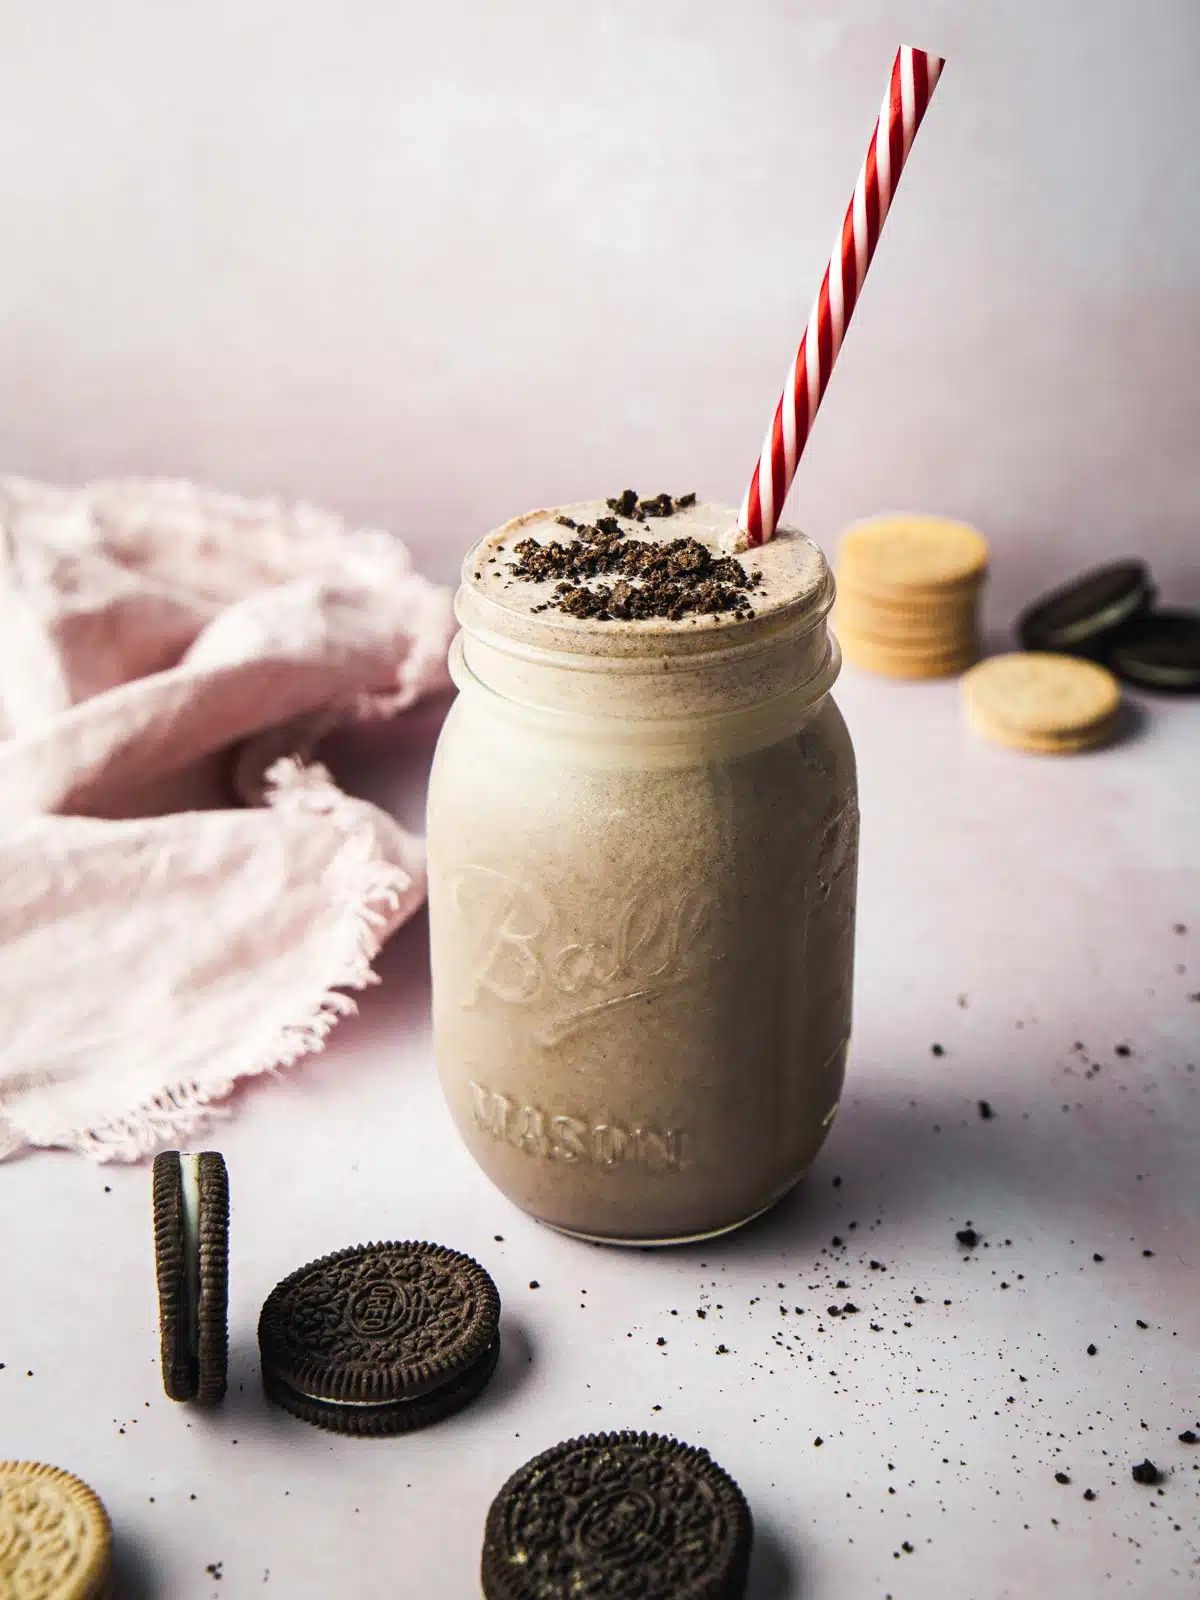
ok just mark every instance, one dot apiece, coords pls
pixel 643 831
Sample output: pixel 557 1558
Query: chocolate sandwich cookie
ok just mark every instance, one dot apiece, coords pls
pixel 55 1536
pixel 381 1338
pixel 1081 617
pixel 1160 651
pixel 618 1514
pixel 191 1255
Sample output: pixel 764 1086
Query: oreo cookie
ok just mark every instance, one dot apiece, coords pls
pixel 1082 616
pixel 381 1338
pixel 191 1257
pixel 1160 651
pixel 618 1514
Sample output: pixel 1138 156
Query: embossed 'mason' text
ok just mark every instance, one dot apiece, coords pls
pixel 551 1136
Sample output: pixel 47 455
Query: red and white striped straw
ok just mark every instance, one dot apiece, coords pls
pixel 914 78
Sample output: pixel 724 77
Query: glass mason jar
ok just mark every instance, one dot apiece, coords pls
pixel 642 871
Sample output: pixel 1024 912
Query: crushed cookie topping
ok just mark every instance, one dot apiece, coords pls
pixel 672 580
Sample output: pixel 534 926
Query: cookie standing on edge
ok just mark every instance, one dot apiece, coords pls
pixel 616 1514
pixel 381 1338
pixel 55 1536
pixel 191 1254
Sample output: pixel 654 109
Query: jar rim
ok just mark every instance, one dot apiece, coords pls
pixel 803 578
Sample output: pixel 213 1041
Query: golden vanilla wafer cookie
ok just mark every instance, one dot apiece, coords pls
pixel 55 1536
pixel 1041 695
pixel 917 662
pixel 1062 744
pixel 913 629
pixel 911 605
pixel 900 555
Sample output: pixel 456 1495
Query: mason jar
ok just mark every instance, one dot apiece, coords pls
pixel 642 868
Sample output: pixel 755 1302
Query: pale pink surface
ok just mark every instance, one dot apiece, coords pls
pixel 1044 890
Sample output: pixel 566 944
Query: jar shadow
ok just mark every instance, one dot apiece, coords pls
pixel 924 1157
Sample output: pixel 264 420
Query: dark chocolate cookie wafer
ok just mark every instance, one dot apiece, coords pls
pixel 616 1515
pixel 191 1255
pixel 1082 616
pixel 1160 651
pixel 381 1338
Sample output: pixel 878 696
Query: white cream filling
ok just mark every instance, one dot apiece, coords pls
pixel 189 1176
pixel 357 1405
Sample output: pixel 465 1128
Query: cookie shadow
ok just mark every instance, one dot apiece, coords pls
pixel 774 1569
pixel 512 1372
pixel 244 1402
pixel 1133 721
pixel 133 1575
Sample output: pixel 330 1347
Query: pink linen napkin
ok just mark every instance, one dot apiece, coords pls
pixel 184 895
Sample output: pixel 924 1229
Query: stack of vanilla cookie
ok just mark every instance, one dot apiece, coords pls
pixel 908 595
pixel 1042 702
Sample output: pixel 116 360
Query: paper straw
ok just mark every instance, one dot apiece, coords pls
pixel 914 78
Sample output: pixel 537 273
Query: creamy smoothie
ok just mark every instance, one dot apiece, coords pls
pixel 642 861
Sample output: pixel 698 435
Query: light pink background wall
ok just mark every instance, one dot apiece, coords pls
pixel 431 264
